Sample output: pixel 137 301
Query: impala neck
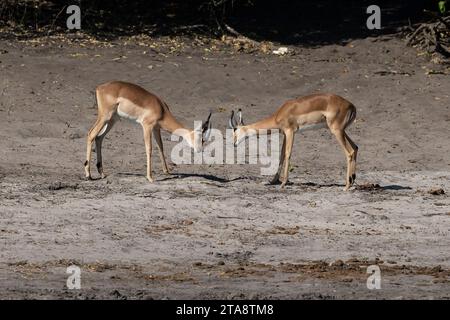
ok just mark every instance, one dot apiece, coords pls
pixel 268 123
pixel 169 123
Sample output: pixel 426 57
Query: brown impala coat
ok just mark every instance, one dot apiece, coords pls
pixel 122 99
pixel 306 113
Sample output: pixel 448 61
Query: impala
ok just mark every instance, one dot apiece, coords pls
pixel 306 113
pixel 126 100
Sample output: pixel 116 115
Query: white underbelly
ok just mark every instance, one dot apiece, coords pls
pixel 125 115
pixel 314 126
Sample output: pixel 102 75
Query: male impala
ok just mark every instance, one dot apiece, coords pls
pixel 121 99
pixel 305 113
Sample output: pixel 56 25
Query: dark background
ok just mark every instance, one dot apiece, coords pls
pixel 290 22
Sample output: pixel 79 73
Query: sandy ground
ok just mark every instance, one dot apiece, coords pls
pixel 219 231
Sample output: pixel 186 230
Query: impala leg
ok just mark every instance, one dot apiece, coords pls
pixel 353 158
pixel 276 178
pixel 98 146
pixel 98 126
pixel 148 148
pixel 289 140
pixel 98 150
pixel 157 134
pixel 346 147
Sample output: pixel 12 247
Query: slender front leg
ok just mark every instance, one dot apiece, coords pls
pixel 353 156
pixel 276 178
pixel 289 137
pixel 157 133
pixel 148 148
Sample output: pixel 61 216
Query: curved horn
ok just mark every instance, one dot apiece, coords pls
pixel 206 123
pixel 241 122
pixel 232 122
pixel 207 133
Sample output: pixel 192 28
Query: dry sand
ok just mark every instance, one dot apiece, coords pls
pixel 220 231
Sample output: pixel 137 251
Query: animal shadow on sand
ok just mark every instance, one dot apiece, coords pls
pixel 357 187
pixel 174 176
pixel 210 177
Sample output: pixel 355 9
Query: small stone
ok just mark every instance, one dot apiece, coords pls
pixel 436 191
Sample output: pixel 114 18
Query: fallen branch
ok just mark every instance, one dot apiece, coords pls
pixel 239 35
pixel 433 37
pixel 190 27
pixel 54 20
pixel 440 18
pixel 387 72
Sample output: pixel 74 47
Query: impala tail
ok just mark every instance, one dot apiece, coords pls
pixel 351 116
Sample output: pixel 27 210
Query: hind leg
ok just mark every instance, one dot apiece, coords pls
pixel 276 178
pixel 353 156
pixel 95 130
pixel 98 145
pixel 346 147
pixel 289 137
pixel 157 134
pixel 106 112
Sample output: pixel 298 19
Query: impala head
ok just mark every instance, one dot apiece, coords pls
pixel 200 135
pixel 237 124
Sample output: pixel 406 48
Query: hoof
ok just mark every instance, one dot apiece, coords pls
pixel 350 182
pixel 276 180
pixel 150 179
pixel 88 178
pixel 346 188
